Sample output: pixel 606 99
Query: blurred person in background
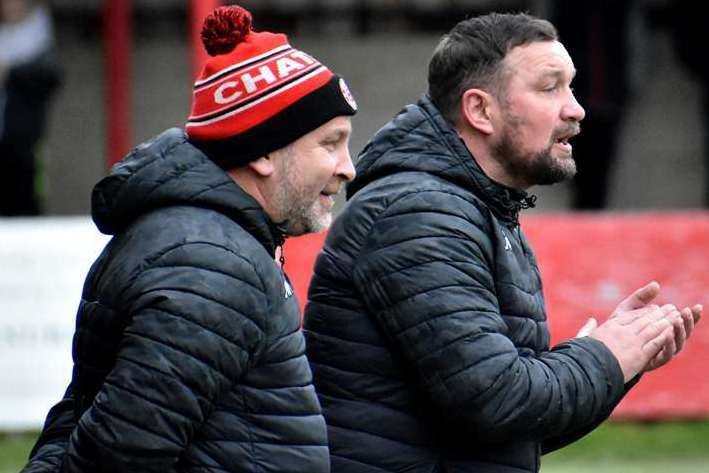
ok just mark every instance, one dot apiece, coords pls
pixel 188 354
pixel 689 22
pixel 426 326
pixel 29 76
pixel 595 32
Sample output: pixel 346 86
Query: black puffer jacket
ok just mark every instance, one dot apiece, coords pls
pixel 188 355
pixel 426 325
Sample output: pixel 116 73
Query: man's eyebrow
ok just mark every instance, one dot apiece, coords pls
pixel 556 73
pixel 551 73
pixel 335 135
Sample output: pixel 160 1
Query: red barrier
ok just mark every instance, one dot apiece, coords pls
pixel 300 254
pixel 589 262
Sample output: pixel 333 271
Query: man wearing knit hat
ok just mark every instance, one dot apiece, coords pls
pixel 188 354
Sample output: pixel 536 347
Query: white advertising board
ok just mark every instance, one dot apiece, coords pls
pixel 43 263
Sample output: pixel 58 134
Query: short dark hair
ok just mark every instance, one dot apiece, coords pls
pixel 471 55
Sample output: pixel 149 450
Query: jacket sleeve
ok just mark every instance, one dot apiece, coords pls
pixel 425 274
pixel 555 442
pixel 194 328
pixel 48 452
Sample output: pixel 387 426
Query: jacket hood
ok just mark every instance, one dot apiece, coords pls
pixel 419 139
pixel 169 171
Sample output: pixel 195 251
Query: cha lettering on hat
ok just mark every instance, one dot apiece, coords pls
pixel 246 82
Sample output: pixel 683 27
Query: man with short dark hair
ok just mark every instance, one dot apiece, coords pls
pixel 426 327
pixel 188 354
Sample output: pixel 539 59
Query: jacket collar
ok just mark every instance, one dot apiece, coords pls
pixel 505 201
pixel 170 171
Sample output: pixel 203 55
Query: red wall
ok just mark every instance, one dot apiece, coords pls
pixel 589 262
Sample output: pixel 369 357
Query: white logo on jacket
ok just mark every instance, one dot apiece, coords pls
pixel 508 245
pixel 288 290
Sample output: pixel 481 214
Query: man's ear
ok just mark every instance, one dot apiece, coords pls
pixel 263 166
pixel 476 107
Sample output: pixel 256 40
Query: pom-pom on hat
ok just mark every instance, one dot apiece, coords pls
pixel 257 93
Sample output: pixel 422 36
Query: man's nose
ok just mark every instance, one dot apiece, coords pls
pixel 573 110
pixel 345 167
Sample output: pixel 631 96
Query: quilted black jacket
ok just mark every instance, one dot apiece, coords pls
pixel 188 354
pixel 426 328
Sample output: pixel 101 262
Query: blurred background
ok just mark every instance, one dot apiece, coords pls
pixel 646 102
pixel 79 89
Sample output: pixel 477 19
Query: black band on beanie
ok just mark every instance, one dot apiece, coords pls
pixel 304 116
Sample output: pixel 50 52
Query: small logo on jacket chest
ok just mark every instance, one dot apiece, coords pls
pixel 508 245
pixel 287 289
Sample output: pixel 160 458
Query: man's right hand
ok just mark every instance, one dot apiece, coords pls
pixel 643 336
pixel 635 337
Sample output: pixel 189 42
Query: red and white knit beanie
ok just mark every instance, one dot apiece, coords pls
pixel 257 93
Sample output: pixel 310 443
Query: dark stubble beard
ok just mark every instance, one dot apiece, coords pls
pixel 533 168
